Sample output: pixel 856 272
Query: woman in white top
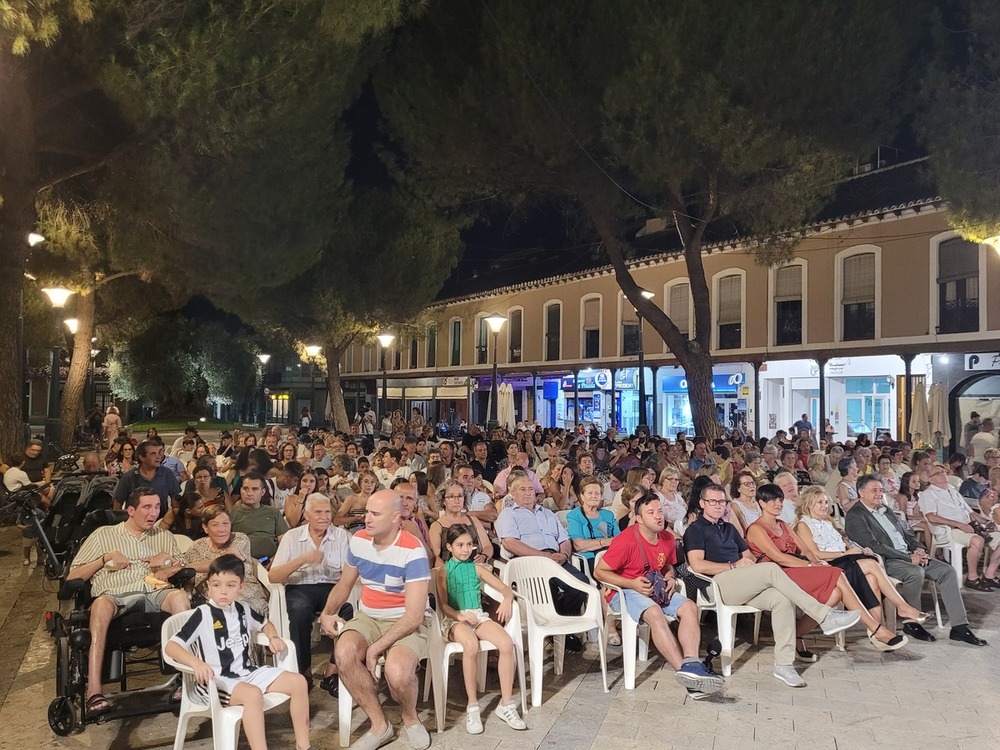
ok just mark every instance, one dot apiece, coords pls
pixel 847 491
pixel 744 509
pixel 672 502
pixel 822 539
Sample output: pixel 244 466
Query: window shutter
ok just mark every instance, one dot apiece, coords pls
pixel 679 307
pixel 957 259
pixel 592 315
pixel 788 283
pixel 859 279
pixel 729 300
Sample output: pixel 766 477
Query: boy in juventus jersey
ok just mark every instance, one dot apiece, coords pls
pixel 215 643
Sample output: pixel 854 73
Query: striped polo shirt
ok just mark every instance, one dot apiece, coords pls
pixel 119 539
pixel 385 573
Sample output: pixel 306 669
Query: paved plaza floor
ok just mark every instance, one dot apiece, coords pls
pixel 935 696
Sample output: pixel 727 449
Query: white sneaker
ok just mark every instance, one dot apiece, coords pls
pixel 839 620
pixel 508 714
pixel 473 722
pixel 788 675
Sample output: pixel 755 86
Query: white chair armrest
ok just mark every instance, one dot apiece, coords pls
pixel 283 659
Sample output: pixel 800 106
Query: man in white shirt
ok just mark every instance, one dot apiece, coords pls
pixel 520 461
pixel 951 520
pixel 479 504
pixel 309 561
pixel 982 441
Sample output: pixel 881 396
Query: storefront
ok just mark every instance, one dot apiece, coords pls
pixel 600 397
pixel 732 402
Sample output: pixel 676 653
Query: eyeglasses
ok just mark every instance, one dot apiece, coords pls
pixel 748 483
pixel 716 503
pixel 454 497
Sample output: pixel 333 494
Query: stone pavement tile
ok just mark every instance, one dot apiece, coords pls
pixel 610 734
pixel 702 740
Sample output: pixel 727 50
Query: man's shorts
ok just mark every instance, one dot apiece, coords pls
pixel 944 535
pixel 140 601
pixel 371 630
pixel 637 603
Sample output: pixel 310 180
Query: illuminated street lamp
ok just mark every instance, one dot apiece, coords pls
pixel 53 427
pixel 262 415
pixel 34 238
pixel 312 352
pixel 495 322
pixel 643 415
pixel 385 340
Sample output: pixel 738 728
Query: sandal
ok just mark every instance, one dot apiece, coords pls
pixel 804 654
pixel 98 704
pixel 896 642
pixel 331 684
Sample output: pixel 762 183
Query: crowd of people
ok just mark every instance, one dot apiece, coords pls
pixel 820 534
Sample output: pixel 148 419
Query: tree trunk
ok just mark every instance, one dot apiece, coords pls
pixel 338 410
pixel 72 400
pixel 17 194
pixel 693 355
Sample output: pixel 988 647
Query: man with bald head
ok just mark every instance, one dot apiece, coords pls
pixel 394 572
pixel 520 462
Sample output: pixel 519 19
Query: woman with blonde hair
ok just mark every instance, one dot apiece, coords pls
pixel 819 469
pixel 671 500
pixel 112 425
pixel 824 541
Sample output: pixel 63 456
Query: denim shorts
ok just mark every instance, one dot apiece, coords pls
pixel 638 603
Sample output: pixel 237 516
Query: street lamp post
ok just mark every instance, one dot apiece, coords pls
pixel 53 425
pixel 262 415
pixel 312 352
pixel 643 416
pixel 385 340
pixel 495 322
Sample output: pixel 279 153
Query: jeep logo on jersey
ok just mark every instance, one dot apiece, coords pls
pixel 236 642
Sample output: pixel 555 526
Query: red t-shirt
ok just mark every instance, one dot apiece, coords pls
pixel 625 558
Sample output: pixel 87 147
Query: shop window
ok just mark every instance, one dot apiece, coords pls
pixel 432 345
pixel 456 343
pixel 515 323
pixel 788 306
pixel 592 328
pixel 630 329
pixel 958 286
pixel 730 319
pixel 413 353
pixel 483 342
pixel 679 307
pixel 553 323
pixel 858 300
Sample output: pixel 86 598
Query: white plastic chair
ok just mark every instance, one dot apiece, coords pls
pixel 345 702
pixel 183 542
pixel 529 577
pixel 277 607
pixel 440 652
pixel 635 635
pixel 725 615
pixel 226 720
pixel 561 515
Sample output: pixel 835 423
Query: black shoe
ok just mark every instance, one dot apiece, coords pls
pixel 331 684
pixel 978 585
pixel 574 644
pixel 964 633
pixel 915 630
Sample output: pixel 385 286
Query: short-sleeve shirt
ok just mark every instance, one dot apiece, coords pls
pixel 385 573
pixel 263 525
pixel 164 484
pixel 625 556
pixel 221 637
pixel 539 528
pixel 117 538
pixel 581 527
pixel 35 468
pixel 720 541
pixel 334 545
pixel 946 503
pixel 15 479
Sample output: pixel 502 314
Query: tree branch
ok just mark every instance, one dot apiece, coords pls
pixel 65 94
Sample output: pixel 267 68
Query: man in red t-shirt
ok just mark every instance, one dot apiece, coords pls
pixel 647 546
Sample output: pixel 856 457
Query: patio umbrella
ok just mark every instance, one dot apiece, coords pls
pixel 505 398
pixel 939 422
pixel 919 426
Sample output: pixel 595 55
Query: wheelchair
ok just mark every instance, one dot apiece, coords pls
pixel 132 649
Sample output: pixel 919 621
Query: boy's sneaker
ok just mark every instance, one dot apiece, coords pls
pixel 508 714
pixel 473 722
pixel 694 674
pixel 838 620
pixel 788 675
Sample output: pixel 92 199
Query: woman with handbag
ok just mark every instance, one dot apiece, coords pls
pixel 770 540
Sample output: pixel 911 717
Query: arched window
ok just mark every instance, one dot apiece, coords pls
pixel 553 332
pixel 857 299
pixel 729 311
pixel 591 328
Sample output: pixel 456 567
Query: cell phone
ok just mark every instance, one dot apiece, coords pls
pixel 264 560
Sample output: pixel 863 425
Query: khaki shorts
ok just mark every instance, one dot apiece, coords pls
pixel 139 601
pixel 371 630
pixel 946 534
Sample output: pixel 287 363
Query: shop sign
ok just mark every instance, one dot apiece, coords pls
pixel 986 361
pixel 455 380
pixel 726 383
pixel 600 380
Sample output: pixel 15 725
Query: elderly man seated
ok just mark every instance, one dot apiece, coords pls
pixel 870 523
pixel 309 561
pixel 117 561
pixel 951 520
pixel 529 529
pixel 500 487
